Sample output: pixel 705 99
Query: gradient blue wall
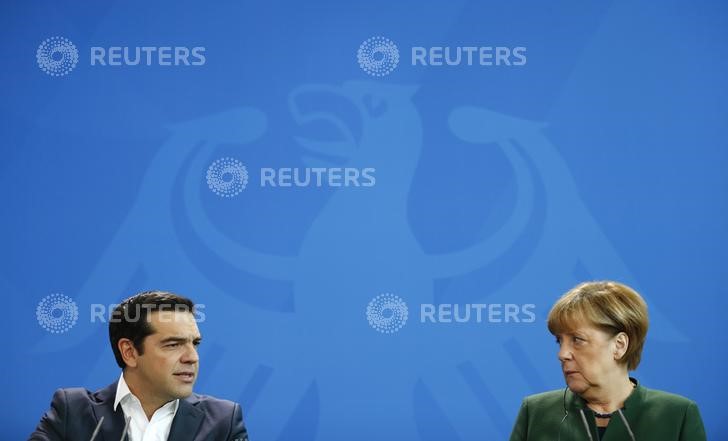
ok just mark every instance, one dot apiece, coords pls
pixel 603 157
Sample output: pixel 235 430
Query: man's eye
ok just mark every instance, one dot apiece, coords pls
pixel 173 345
pixel 197 343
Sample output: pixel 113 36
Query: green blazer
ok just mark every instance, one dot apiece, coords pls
pixel 651 414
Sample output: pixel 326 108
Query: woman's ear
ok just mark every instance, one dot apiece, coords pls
pixel 621 344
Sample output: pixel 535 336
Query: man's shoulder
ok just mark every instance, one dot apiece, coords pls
pixel 75 395
pixel 223 416
pixel 211 402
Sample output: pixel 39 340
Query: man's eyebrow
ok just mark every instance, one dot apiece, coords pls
pixel 177 339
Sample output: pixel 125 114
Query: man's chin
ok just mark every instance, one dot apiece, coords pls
pixel 182 392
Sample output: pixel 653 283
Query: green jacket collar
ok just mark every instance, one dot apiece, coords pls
pixel 617 429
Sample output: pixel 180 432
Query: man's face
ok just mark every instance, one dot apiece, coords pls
pixel 169 365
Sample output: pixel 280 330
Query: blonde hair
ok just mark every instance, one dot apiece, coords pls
pixel 608 305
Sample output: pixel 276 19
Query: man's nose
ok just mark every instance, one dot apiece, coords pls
pixel 190 355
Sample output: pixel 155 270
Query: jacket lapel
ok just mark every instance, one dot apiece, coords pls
pixel 187 421
pixel 113 423
pixel 617 430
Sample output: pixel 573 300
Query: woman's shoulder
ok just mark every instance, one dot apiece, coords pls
pixel 669 411
pixel 646 397
pixel 655 397
pixel 545 398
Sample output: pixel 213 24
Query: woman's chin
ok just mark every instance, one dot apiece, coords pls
pixel 576 385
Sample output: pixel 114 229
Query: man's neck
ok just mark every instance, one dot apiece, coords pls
pixel 149 404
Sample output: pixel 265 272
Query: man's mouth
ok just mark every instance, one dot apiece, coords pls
pixel 187 377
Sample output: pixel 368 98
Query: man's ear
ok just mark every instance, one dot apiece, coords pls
pixel 621 344
pixel 128 352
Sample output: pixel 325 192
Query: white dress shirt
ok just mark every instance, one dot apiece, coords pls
pixel 140 428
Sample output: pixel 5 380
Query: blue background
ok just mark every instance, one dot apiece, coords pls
pixel 605 155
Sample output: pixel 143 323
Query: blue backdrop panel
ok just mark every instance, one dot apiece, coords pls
pixel 376 202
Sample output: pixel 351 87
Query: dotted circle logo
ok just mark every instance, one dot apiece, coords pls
pixel 387 313
pixel 227 177
pixel 57 56
pixel 57 313
pixel 378 56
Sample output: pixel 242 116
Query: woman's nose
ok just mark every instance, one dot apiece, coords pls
pixel 564 352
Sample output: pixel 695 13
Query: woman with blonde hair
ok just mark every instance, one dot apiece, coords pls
pixel 600 328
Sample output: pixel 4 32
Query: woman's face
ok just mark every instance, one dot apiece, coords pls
pixel 589 357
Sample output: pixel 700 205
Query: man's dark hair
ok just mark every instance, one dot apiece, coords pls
pixel 130 319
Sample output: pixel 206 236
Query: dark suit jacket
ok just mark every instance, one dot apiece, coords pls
pixel 75 412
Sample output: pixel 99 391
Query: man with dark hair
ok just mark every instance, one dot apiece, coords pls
pixel 154 337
